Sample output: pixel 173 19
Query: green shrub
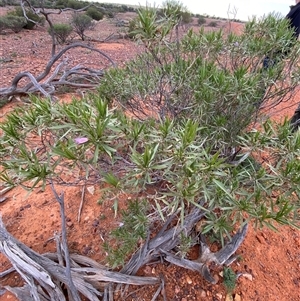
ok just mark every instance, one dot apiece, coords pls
pixel 81 23
pixel 229 279
pixel 186 17
pixel 213 24
pixel 132 28
pixel 201 20
pixel 76 4
pixel 36 19
pixel 192 143
pixel 60 4
pixel 110 14
pixel 14 23
pixel 61 32
pixel 94 13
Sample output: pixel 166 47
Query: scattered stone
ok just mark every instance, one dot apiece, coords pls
pixel 217 278
pixel 95 223
pixel 177 289
pixel 229 297
pixel 219 296
pixel 202 294
pixel 189 280
pixel 237 297
pixel 69 224
pixel 199 226
pixel 248 276
pixel 91 189
pixel 147 270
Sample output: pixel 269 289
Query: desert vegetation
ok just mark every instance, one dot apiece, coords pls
pixel 181 129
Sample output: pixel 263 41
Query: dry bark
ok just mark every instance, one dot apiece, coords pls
pixel 78 76
pixel 49 276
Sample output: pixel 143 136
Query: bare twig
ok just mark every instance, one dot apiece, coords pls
pixel 81 203
pixel 10 270
pixel 60 199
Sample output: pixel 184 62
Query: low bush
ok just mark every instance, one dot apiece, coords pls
pixel 61 32
pixel 81 23
pixel 201 20
pixel 94 13
pixel 76 4
pixel 32 18
pixel 15 23
pixel 213 24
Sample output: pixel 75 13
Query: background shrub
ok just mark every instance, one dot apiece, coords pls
pixel 61 32
pixel 15 23
pixel 201 20
pixel 30 15
pixel 186 17
pixel 94 13
pixel 213 24
pixel 76 4
pixel 81 23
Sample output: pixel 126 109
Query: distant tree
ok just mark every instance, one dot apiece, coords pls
pixel 81 23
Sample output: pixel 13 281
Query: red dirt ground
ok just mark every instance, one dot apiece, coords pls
pixel 270 260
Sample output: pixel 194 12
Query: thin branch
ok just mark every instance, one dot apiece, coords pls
pixel 60 199
pixel 81 203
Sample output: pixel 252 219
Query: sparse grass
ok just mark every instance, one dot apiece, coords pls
pixel 229 279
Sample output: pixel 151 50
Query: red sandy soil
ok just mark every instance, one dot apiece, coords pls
pixel 271 260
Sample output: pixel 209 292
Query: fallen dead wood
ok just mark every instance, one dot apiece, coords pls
pixel 46 277
pixel 78 76
pixel 167 239
pixel 43 274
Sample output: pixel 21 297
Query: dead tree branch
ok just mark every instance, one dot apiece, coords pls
pixel 69 78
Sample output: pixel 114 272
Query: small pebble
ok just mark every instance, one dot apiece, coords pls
pixel 189 280
pixel 248 276
pixel 237 297
pixel 202 294
pixel 69 224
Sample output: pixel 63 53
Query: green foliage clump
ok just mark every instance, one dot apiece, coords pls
pixel 195 100
pixel 76 4
pixel 15 23
pixel 201 20
pixel 94 13
pixel 132 27
pixel 61 32
pixel 211 77
pixel 131 232
pixel 229 279
pixel 186 17
pixel 151 152
pixel 81 23
pixel 31 17
pixel 213 24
